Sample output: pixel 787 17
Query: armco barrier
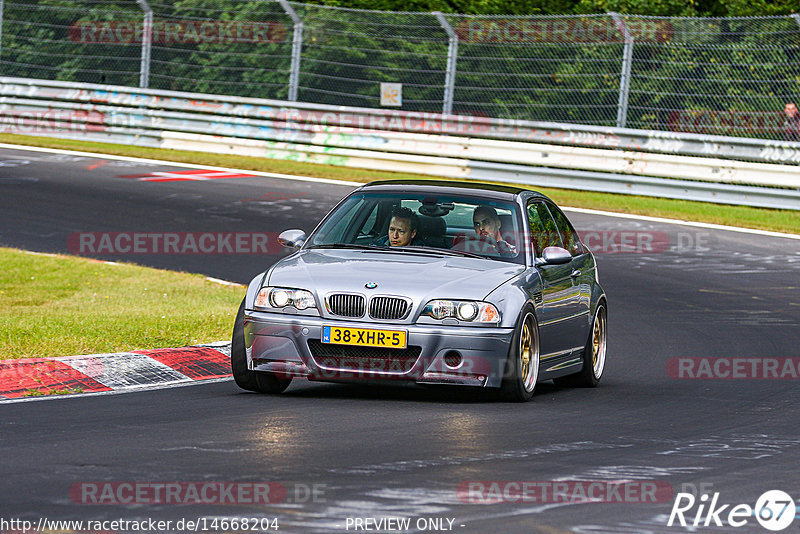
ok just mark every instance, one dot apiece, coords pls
pixel 687 166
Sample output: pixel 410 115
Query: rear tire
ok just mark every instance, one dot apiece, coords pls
pixel 594 355
pixel 258 381
pixel 522 365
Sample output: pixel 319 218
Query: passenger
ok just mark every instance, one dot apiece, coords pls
pixel 488 238
pixel 791 126
pixel 402 228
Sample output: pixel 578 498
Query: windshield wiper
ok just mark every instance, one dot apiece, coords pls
pixel 445 251
pixel 418 250
pixel 350 245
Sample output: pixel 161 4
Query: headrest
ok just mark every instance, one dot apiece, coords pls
pixel 506 223
pixel 507 228
pixel 432 226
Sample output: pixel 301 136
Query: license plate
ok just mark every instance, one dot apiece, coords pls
pixel 364 337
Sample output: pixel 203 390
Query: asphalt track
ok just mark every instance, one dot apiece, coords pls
pixel 373 453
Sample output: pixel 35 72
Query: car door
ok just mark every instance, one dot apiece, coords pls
pixel 560 294
pixel 583 273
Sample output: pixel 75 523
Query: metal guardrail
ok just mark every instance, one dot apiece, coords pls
pixel 299 114
pixel 715 75
pixel 685 166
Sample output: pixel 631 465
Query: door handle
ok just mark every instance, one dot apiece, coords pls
pixel 575 273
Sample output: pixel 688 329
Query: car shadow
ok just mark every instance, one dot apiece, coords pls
pixel 399 392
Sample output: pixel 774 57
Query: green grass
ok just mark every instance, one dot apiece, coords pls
pixel 759 218
pixel 64 305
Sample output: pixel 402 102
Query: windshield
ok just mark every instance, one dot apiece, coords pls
pixel 422 222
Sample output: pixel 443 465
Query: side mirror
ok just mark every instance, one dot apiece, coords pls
pixel 556 256
pixel 292 238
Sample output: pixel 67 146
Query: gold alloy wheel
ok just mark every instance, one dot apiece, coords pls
pixel 525 351
pixel 528 354
pixel 599 342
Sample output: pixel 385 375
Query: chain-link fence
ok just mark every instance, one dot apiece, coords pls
pixel 731 76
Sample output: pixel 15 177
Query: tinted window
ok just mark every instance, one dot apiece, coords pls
pixel 544 232
pixel 568 234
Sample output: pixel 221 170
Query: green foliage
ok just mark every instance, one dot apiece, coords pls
pixel 688 8
pixel 714 75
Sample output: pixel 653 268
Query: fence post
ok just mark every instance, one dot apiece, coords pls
pixel 147 42
pixel 297 49
pixel 2 5
pixel 452 58
pixel 625 74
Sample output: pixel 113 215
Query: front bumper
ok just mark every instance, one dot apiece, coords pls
pixel 279 343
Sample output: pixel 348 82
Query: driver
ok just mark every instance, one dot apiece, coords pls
pixel 487 234
pixel 402 228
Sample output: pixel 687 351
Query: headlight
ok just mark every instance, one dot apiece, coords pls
pixel 464 310
pixel 281 297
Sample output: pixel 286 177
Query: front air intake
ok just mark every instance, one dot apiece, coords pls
pixel 346 305
pixel 388 307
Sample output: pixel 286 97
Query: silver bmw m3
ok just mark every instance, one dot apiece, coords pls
pixel 428 282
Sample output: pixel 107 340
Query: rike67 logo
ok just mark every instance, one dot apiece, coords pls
pixel 774 510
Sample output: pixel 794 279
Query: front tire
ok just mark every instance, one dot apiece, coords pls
pixel 258 381
pixel 594 355
pixel 522 365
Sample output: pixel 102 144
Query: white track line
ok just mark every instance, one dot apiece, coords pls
pixel 177 164
pixel 343 182
pixel 223 282
pixel 685 223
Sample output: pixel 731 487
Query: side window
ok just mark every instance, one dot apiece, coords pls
pixel 568 234
pixel 544 232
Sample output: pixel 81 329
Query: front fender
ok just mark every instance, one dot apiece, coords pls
pixel 252 291
pixel 513 295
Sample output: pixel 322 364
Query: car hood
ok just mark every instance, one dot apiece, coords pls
pixel 418 276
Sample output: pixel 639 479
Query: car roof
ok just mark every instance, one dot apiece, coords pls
pixel 492 190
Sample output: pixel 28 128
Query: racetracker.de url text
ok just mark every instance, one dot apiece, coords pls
pixel 200 524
